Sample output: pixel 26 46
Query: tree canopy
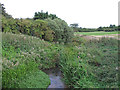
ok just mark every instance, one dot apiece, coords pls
pixel 44 15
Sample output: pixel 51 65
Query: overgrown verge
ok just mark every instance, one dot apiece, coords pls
pixel 92 65
pixel 23 56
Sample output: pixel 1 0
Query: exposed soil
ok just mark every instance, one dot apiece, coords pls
pixel 90 37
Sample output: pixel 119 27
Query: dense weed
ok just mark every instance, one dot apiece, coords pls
pixel 92 65
pixel 84 64
pixel 24 55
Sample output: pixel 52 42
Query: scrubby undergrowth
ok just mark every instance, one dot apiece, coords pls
pixel 24 55
pixel 90 64
pixel 93 64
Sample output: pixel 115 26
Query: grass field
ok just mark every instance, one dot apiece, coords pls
pixel 96 33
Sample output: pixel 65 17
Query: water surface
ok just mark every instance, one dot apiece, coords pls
pixel 55 78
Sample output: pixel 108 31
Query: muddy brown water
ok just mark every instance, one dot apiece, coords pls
pixel 55 76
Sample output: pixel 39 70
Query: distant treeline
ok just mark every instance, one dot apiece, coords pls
pixel 106 29
pixel 44 26
pixel 42 15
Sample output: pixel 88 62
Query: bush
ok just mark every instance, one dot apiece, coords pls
pixel 63 33
pixel 38 28
pixel 9 25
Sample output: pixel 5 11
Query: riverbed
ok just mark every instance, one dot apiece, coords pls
pixel 55 76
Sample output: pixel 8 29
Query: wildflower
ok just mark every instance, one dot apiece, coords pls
pixel 93 56
pixel 116 68
pixel 78 56
pixel 24 38
pixel 88 54
pixel 16 64
pixel 79 47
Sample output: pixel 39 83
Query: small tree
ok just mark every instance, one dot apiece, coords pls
pixel 63 33
pixel 74 25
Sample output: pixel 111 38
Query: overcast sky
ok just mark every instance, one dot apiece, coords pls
pixel 87 13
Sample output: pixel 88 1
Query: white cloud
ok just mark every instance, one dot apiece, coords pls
pixel 88 13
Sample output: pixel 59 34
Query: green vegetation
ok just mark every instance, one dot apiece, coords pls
pixel 96 33
pixel 81 63
pixel 93 65
pixel 31 45
pixel 111 28
pixel 42 15
pixel 24 55
pixel 39 28
pixel 37 80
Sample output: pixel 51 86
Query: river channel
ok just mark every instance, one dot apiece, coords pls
pixel 55 76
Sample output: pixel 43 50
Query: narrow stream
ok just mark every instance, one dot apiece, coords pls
pixel 56 78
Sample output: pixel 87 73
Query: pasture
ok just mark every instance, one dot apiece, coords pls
pixel 96 33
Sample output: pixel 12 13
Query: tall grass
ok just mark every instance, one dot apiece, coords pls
pixel 24 55
pixel 92 65
pixel 84 64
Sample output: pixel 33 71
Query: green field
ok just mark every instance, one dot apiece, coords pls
pixel 96 33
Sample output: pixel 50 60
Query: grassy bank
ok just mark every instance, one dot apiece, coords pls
pixel 23 56
pixel 96 33
pixel 92 65
pixel 84 64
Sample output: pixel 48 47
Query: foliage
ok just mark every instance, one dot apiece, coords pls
pixel 2 9
pixel 75 69
pixel 89 64
pixel 36 80
pixel 32 48
pixel 106 64
pixel 42 15
pixel 36 28
pixel 9 25
pixel 62 32
pixel 111 28
pixel 12 77
pixel 50 30
pixel 74 25
pixel 77 40
pixel 23 55
pixel 92 65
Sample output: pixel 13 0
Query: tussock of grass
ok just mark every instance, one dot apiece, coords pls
pixel 35 80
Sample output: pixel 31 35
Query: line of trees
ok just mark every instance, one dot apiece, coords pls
pixel 42 15
pixel 106 29
pixel 46 28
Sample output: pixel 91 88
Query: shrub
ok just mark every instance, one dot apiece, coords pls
pixel 63 33
pixel 9 25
